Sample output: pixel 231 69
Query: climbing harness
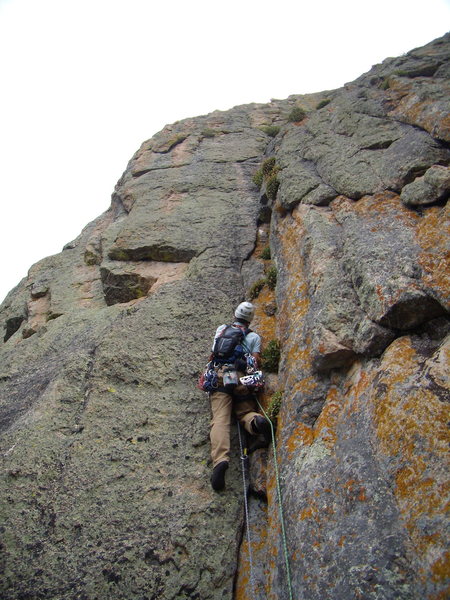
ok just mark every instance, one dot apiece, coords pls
pixel 208 380
pixel 280 505
pixel 251 363
pixel 244 462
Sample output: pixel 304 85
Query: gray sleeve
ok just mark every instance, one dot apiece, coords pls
pixel 257 346
pixel 253 343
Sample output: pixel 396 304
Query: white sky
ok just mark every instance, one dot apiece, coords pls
pixel 85 82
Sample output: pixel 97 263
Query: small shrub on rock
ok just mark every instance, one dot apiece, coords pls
pixel 271 277
pixel 296 114
pixel 270 130
pixel 268 166
pixel 274 406
pixel 268 173
pixel 258 178
pixel 209 133
pixel 272 185
pixel 256 288
pixel 265 254
pixel 323 103
pixel 270 357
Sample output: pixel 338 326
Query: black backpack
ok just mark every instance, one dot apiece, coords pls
pixel 229 343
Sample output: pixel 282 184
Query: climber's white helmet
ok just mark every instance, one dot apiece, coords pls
pixel 245 311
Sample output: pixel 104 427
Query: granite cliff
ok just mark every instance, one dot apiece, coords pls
pixel 104 435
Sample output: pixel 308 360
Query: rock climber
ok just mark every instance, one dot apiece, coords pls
pixel 231 396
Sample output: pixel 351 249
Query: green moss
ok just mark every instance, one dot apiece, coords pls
pixel 209 133
pixel 91 259
pixel 118 254
pixel 265 254
pixel 272 185
pixel 271 277
pixel 258 178
pixel 323 103
pixel 268 173
pixel 178 139
pixel 256 288
pixel 270 357
pixel 140 292
pixel 53 315
pixel 402 73
pixel 268 166
pixel 296 114
pixel 274 406
pixel 270 130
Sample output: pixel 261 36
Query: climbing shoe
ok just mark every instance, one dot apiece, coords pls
pixel 262 426
pixel 218 476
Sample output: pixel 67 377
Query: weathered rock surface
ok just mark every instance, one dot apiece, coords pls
pixel 104 436
pixel 434 186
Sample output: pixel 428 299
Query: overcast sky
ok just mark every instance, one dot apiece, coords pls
pixel 85 82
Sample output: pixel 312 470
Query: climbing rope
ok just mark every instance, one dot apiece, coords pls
pixel 280 505
pixel 244 459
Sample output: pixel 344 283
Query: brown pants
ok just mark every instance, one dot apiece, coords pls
pixel 222 406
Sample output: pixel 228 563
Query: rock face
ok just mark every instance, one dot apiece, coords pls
pixel 104 436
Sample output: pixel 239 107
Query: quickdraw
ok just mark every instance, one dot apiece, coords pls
pixel 254 380
pixel 208 381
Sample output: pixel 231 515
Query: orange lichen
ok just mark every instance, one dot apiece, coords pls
pixel 326 423
pixel 413 426
pixel 413 108
pixel 301 436
pixel 265 324
pixel 355 490
pixel 384 203
pixel 409 419
pixel 294 303
pixel 306 513
pixel 295 356
pixel 305 385
pixel 440 569
pixel 432 234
